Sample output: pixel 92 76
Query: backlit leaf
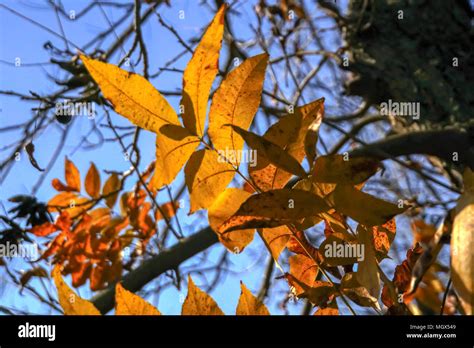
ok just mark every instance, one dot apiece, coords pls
pixel 270 151
pixel 275 239
pixel 274 208
pixel 351 287
pixel 383 237
pixel 304 269
pixel 131 95
pixel 223 208
pixel 249 304
pixel 127 303
pixel 367 272
pixel 235 102
pixel 200 73
pixel 319 293
pixel 111 185
pixel 92 182
pixel 336 169
pixel 174 146
pixel 207 175
pixel 197 302
pixel 289 133
pixel 71 173
pixel 362 207
pixel 70 302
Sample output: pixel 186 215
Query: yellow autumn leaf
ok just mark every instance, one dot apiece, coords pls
pixel 338 169
pixel 127 303
pixel 92 182
pixel 223 208
pixel 462 245
pixel 174 146
pixel 362 207
pixel 271 152
pixel 289 133
pixel 70 302
pixel 206 175
pixel 131 95
pixel 367 271
pixel 236 102
pixel 275 208
pixel 249 304
pixel 197 302
pixel 200 74
pixel 72 176
pixel 275 239
pixel 111 185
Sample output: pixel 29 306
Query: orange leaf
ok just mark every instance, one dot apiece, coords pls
pixel 44 229
pixel 59 186
pixel 304 269
pixel 92 182
pixel 169 210
pixel 71 173
pixel 111 185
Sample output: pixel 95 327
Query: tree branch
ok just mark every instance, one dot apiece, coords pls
pixel 441 143
pixel 152 268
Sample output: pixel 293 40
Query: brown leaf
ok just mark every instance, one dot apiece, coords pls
pixel 331 309
pixel 289 133
pixel 271 152
pixel 319 293
pixel 34 272
pixel 362 207
pixel 402 276
pixel 337 170
pixel 351 287
pixel 274 208
pixel 383 237
pixel 30 149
